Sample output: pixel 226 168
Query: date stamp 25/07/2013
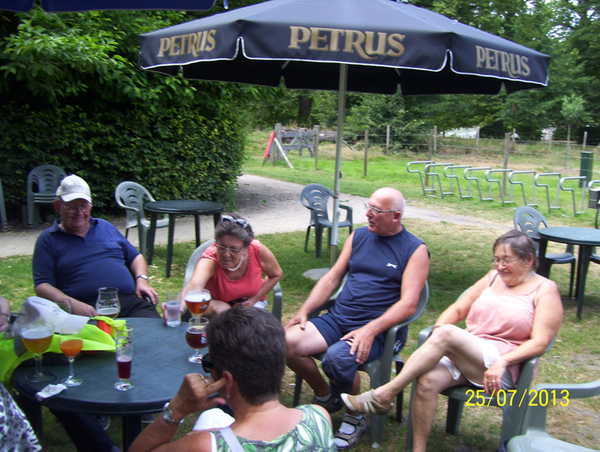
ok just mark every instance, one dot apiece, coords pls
pixel 510 397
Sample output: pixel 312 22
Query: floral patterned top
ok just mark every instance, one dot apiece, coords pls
pixel 15 432
pixel 312 434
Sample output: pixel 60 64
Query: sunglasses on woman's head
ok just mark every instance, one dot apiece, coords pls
pixel 243 223
pixel 207 364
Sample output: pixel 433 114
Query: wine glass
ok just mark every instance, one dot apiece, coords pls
pixel 37 337
pixel 70 344
pixel 124 354
pixel 197 301
pixel 107 303
pixel 65 305
pixel 196 337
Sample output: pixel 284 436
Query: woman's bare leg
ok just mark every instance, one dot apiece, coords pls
pixel 448 340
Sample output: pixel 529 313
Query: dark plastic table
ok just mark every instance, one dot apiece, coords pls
pixel 585 238
pixel 178 207
pixel 159 364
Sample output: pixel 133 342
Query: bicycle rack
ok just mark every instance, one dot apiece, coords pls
pixel 471 178
pixel 434 175
pixel 417 171
pixel 453 176
pixel 516 182
pixel 536 184
pixel 501 187
pixel 560 187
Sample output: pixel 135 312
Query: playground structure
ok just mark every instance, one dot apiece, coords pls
pixel 444 179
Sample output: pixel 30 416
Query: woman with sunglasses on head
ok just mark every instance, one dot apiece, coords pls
pixel 512 314
pixel 232 268
pixel 247 362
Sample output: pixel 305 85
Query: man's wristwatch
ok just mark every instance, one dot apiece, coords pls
pixel 167 416
pixel 142 276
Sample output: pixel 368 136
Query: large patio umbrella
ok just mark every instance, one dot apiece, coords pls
pixel 372 46
pixel 63 6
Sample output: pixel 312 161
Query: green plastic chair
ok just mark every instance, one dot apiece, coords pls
pixel 131 196
pixel 380 369
pixel 42 182
pixel 513 413
pixel 277 304
pixel 534 437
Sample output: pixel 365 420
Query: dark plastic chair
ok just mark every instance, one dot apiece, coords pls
pixel 534 437
pixel 379 370
pixel 513 413
pixel 315 198
pixel 528 220
pixel 195 257
pixel 132 197
pixel 42 183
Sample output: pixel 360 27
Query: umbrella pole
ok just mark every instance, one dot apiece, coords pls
pixel 338 160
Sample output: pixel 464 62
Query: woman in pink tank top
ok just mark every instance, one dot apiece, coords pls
pixel 512 314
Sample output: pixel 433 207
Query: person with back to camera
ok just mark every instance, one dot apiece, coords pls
pixel 512 314
pixel 232 268
pixel 247 364
pixel 386 268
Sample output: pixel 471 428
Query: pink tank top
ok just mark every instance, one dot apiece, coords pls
pixel 505 320
pixel 225 289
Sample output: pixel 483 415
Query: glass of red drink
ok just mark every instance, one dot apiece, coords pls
pixel 197 301
pixel 70 344
pixel 196 337
pixel 124 353
pixel 37 337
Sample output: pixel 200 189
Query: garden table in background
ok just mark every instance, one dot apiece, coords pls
pixel 585 238
pixel 173 208
pixel 160 361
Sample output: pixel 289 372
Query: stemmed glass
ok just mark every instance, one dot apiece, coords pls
pixel 70 344
pixel 107 303
pixel 37 337
pixel 124 353
pixel 197 301
pixel 196 337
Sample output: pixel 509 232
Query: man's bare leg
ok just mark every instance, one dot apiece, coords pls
pixel 301 345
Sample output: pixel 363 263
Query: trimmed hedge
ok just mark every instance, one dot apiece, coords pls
pixel 175 154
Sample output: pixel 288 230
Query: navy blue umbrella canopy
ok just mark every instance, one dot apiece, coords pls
pixel 386 44
pixel 373 46
pixel 63 6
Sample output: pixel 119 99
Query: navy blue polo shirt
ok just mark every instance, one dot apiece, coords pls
pixel 78 266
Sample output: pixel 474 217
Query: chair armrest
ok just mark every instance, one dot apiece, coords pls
pixel 277 301
pixel 348 210
pixel 424 334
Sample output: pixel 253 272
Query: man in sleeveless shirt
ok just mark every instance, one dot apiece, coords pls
pixel 386 268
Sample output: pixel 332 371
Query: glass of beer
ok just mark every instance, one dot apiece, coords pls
pixel 37 337
pixel 108 304
pixel 197 301
pixel 124 353
pixel 196 337
pixel 70 344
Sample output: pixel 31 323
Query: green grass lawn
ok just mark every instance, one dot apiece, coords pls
pixel 459 257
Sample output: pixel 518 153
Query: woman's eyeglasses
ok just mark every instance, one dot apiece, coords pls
pixel 231 250
pixel 243 223
pixel 207 364
pixel 504 262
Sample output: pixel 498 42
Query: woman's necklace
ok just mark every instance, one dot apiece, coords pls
pixel 238 265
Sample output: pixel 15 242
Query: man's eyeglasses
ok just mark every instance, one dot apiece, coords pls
pixel 377 210
pixel 231 250
pixel 504 262
pixel 207 364
pixel 73 208
pixel 243 223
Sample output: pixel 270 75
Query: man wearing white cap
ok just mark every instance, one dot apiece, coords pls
pixel 79 253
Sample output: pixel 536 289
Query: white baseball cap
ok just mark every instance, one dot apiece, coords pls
pixel 74 187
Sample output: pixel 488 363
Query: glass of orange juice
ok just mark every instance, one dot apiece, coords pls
pixel 70 344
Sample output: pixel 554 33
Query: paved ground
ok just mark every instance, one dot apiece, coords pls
pixel 269 205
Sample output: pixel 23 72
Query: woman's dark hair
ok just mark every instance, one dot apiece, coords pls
pixel 523 245
pixel 250 344
pixel 236 226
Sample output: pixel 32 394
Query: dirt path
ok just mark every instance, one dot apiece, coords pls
pixel 270 205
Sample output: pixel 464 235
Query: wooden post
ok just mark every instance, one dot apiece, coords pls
pixel 506 153
pixel 278 138
pixel 366 151
pixel 317 130
pixel 434 139
pixel 477 138
pixel 429 154
pixel 584 140
pixel 387 140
